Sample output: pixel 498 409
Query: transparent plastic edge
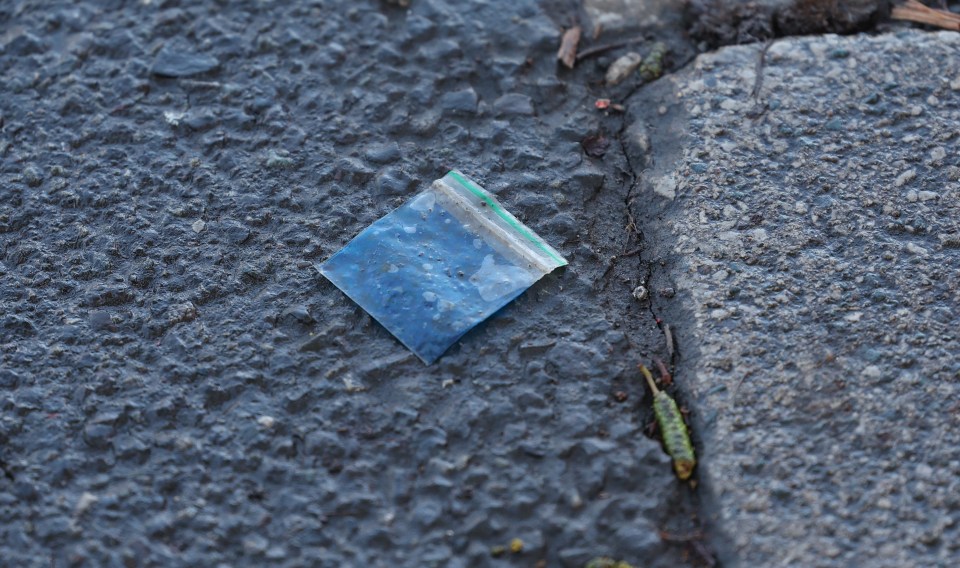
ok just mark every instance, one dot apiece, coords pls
pixel 423 359
pixel 506 226
pixel 501 225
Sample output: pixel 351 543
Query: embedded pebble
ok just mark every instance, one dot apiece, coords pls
pixel 460 102
pixel 86 500
pixel 173 63
pixel 623 67
pixel 383 153
pixel 640 293
pixel 513 104
pixel 905 177
pixel 279 159
pixel 32 176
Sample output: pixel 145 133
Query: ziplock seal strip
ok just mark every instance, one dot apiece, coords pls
pixel 507 217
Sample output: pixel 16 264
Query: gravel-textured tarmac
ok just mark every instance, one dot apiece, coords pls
pixel 178 387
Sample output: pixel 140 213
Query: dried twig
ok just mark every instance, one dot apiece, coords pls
pixel 672 537
pixel 665 378
pixel 631 227
pixel 568 46
pixel 914 11
pixel 598 49
pixel 668 335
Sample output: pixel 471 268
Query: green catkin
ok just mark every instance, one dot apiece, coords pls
pixel 676 438
pixel 652 66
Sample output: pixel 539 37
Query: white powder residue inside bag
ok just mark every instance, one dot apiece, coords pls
pixel 494 281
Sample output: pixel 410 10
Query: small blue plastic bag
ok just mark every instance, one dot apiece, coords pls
pixel 440 264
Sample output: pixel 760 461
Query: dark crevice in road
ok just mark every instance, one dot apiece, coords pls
pixel 652 269
pixel 5 468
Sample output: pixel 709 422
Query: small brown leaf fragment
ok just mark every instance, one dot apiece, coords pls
pixel 914 11
pixel 595 145
pixel 606 104
pixel 568 46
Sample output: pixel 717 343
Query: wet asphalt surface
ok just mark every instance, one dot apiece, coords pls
pixel 179 387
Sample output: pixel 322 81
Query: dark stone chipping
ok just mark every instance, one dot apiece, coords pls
pixel 460 102
pixel 172 63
